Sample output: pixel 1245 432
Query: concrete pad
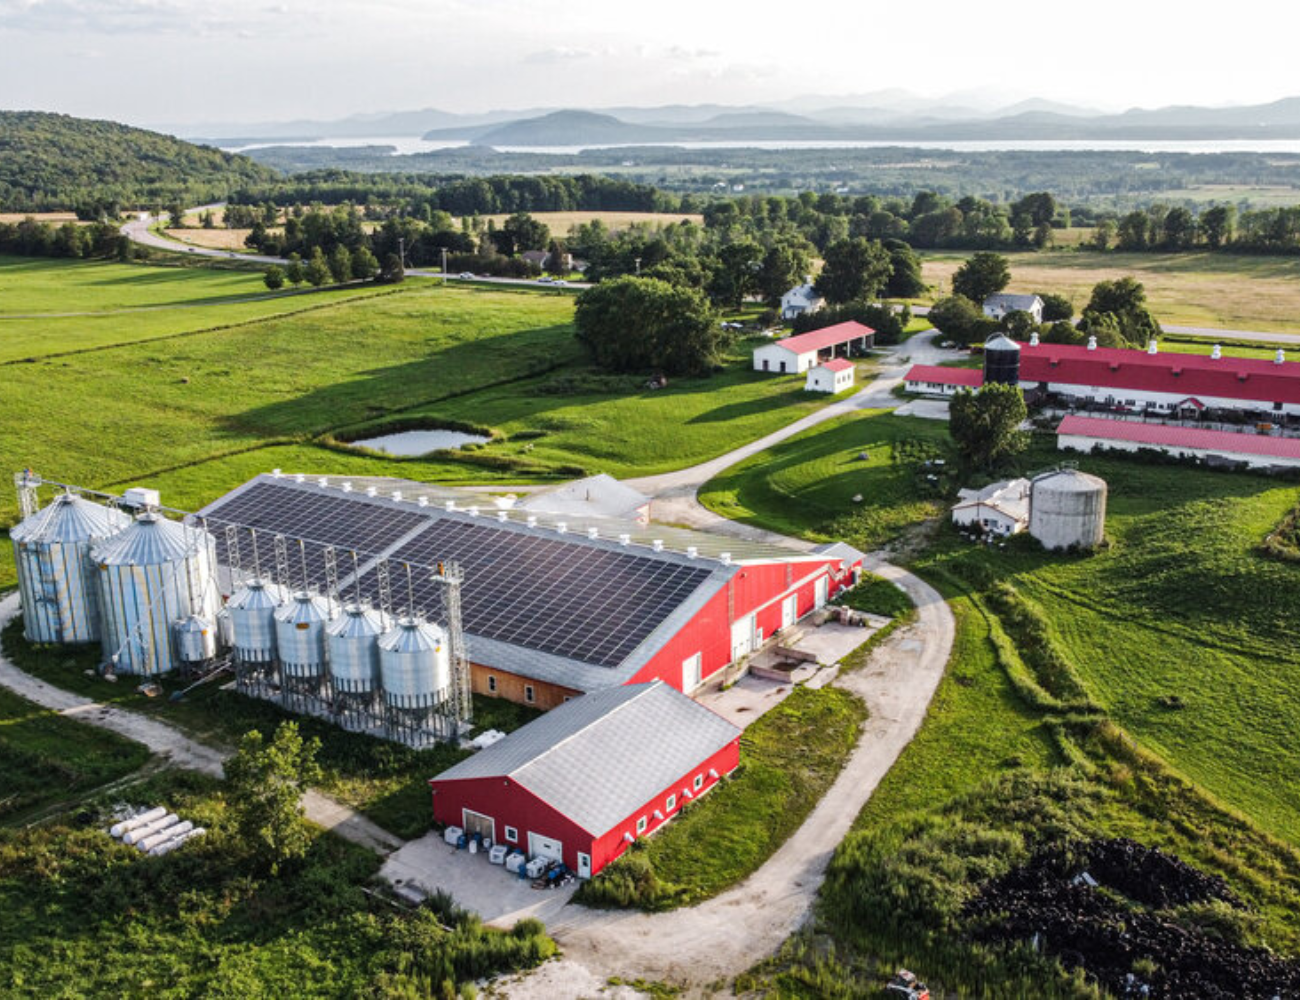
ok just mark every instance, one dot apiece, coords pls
pixel 746 701
pixel 927 409
pixel 500 898
pixel 831 642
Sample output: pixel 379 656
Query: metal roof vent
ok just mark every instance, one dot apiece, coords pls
pixel 323 481
pixel 1151 346
pixel 1279 357
pixel 397 494
pixel 277 473
pixel 300 478
pixel 473 511
pixel 1033 339
pixel 503 516
pixel 726 558
pixel 531 521
pixel 421 501
pixel 371 491
pixel 346 487
pixel 1092 343
pixel 562 527
pixel 691 552
pixel 449 505
pixel 624 539
pixel 657 544
pixel 593 533
pixel 1217 353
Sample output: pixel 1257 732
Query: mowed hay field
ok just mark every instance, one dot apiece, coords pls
pixel 212 239
pixel 560 222
pixel 57 306
pixel 1193 289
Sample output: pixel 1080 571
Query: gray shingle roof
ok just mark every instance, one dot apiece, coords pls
pixel 1011 301
pixel 599 758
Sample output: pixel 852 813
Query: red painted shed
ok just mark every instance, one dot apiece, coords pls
pixel 587 779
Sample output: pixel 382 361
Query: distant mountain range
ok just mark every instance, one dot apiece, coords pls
pixel 885 115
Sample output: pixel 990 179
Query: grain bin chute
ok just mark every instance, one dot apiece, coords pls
pixel 1067 509
pixel 152 574
pixel 56 578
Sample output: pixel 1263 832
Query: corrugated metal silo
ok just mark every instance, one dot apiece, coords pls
pixel 354 650
pixel 252 610
pixel 300 636
pixel 56 579
pixel 1067 509
pixel 414 664
pixel 1001 361
pixel 151 574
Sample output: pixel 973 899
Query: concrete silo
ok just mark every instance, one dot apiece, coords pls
pixel 152 574
pixel 1067 509
pixel 56 579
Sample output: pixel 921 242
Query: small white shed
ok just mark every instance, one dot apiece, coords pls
pixel 835 375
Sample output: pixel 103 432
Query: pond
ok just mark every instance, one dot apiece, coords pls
pixel 412 443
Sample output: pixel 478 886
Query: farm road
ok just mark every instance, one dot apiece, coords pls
pixel 174 746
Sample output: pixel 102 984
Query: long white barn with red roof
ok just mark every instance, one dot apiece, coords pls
pixel 795 355
pixel 1138 380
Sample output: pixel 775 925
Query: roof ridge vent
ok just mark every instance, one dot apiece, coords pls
pixel 625 539
pixel 1280 357
pixel 1217 353
pixel 371 491
pixel 562 527
pixel 692 552
pixel 593 533
pixel 346 487
pixel 503 516
pixel 657 544
pixel 449 505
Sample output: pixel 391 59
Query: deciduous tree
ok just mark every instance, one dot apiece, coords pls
pixel 854 269
pixel 981 276
pixel 264 783
pixel 985 424
pixel 274 277
pixel 632 324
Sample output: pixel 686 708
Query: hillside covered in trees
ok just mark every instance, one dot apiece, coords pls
pixel 52 162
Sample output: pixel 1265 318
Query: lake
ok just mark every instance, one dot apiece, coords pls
pixel 409 444
pixel 407 144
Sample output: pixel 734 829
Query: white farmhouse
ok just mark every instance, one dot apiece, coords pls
pixel 998 509
pixel 835 375
pixel 997 306
pixel 801 299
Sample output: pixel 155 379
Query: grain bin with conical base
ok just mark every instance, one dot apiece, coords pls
pixel 415 670
pixel 353 646
pixel 152 574
pixel 57 581
pixel 1067 509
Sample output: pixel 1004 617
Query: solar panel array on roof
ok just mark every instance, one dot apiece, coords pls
pixel 316 518
pixel 589 604
pixel 567 597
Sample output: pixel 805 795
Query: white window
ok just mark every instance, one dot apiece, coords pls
pixel 492 683
pixel 672 802
pixel 641 825
pixel 528 693
pixel 512 835
pixel 699 782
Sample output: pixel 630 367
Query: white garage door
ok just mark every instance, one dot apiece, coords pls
pixel 545 847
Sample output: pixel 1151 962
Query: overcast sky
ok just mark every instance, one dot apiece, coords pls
pixel 150 61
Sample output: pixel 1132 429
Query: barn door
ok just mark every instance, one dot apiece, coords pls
pixel 545 847
pixel 823 587
pixel 692 668
pixel 473 822
pixel 742 637
pixel 789 610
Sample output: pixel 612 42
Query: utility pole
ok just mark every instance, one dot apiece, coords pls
pixel 638 265
pixel 444 265
pixel 401 252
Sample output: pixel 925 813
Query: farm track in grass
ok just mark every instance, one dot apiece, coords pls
pixel 1232 291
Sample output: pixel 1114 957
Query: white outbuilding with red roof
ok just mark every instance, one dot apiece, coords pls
pixel 795 355
pixel 835 375
pixel 1255 450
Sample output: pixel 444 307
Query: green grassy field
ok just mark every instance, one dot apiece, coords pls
pixel 806 485
pixel 47 760
pixel 161 302
pixel 1233 291
pixel 83 915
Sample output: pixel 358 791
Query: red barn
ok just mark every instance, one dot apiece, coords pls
pixel 587 779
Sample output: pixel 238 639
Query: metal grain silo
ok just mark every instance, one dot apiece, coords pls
pixel 353 643
pixel 414 664
pixel 252 609
pixel 195 640
pixel 300 636
pixel 56 579
pixel 1001 361
pixel 1067 509
pixel 151 574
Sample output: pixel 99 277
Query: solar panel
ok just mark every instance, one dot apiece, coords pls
pixel 589 604
pixel 317 519
pixel 561 596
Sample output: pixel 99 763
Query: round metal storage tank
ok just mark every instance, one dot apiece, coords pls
pixel 252 609
pixel 1067 509
pixel 300 635
pixel 353 643
pixel 195 638
pixel 414 664
pixel 151 574
pixel 56 579
pixel 1001 361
